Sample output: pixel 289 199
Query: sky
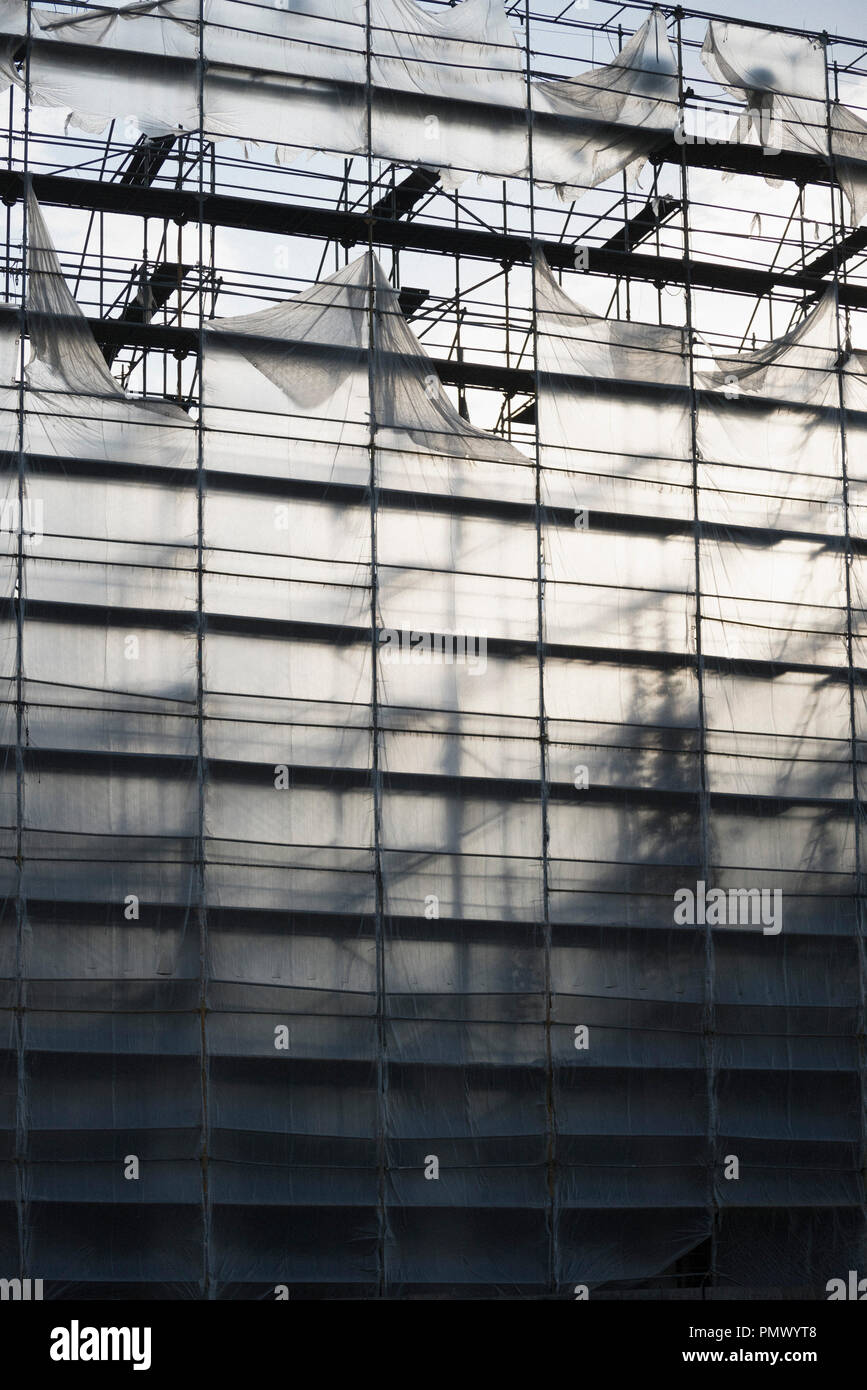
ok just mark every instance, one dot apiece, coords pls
pixel 844 17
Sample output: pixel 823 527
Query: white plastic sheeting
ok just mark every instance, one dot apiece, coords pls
pixel 179 646
pixel 75 406
pixel 13 26
pixel 633 443
pixel 291 899
pixel 748 570
pixel 783 79
pixel 308 357
pixel 614 115
pixel 447 89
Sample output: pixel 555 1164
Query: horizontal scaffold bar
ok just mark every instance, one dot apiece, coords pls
pixel 354 228
pixel 59 761
pixel 346 635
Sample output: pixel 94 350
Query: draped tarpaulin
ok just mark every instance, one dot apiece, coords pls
pixel 13 27
pixel 609 118
pixel 446 90
pixel 783 79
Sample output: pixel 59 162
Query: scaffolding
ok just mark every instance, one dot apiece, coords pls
pixel 160 235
